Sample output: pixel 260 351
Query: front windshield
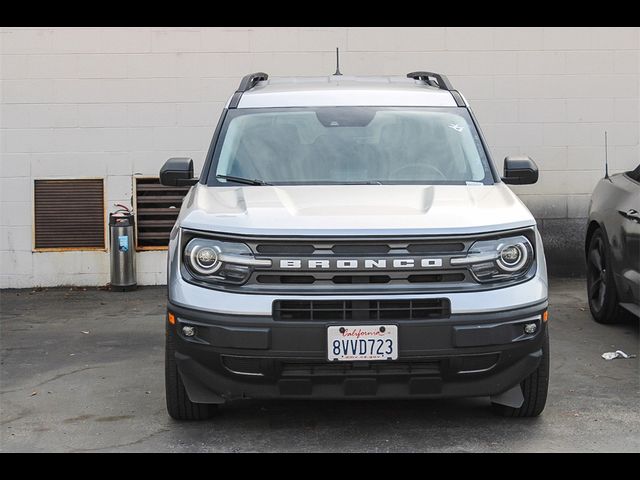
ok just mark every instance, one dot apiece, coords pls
pixel 350 145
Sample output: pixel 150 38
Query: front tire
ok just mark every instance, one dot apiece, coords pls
pixel 178 404
pixel 534 388
pixel 601 287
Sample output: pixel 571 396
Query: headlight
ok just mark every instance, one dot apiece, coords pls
pixel 499 259
pixel 215 261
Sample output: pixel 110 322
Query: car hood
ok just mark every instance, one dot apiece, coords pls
pixel 353 209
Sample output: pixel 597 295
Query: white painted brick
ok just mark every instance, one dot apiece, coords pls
pixel 15 238
pixel 16 214
pixel 165 65
pixel 542 110
pixel 53 115
pixel 537 62
pixel 16 281
pixel 518 38
pixel 14 66
pixel 627 61
pixel 69 164
pixel 16 189
pixel 102 115
pixel 27 41
pixel 119 187
pixel 567 38
pixel 52 66
pixel 16 262
pixel 508 134
pixel 151 262
pixel 474 87
pixel 140 139
pixel 76 40
pixel 274 39
pixel 88 140
pixel 199 114
pixel 118 163
pixel 224 40
pixel 181 138
pixel 94 263
pixel 148 163
pixel 495 111
pixel 101 66
pixel 578 206
pixel 626 110
pixel 174 40
pixel 470 38
pixel 217 89
pixel 292 63
pixel 622 133
pixel 505 87
pixel 322 39
pixel 581 86
pixel 27 91
pixel 585 157
pixel 547 158
pixel 125 40
pixel 492 63
pixel 590 62
pixel 618 38
pixel 590 110
pixel 151 114
pixel 15 165
pixel 14 115
pixel 395 39
pixel 233 65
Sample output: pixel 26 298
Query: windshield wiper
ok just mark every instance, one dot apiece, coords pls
pixel 245 181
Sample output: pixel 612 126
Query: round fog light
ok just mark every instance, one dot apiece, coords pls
pixel 530 328
pixel 188 331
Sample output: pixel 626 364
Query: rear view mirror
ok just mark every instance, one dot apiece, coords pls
pixel 520 170
pixel 177 172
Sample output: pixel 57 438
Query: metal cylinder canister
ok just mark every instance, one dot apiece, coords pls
pixel 122 244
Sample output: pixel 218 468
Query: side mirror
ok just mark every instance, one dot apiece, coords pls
pixel 177 172
pixel 520 170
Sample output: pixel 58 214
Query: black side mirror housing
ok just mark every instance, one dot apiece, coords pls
pixel 177 172
pixel 520 170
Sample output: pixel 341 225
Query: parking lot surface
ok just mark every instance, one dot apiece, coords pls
pixel 83 370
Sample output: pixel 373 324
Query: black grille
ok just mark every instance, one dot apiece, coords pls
pixel 360 369
pixel 359 310
pixel 359 279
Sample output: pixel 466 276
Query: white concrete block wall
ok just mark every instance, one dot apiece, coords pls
pixel 116 102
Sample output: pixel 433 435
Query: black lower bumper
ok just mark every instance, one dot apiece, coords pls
pixel 232 357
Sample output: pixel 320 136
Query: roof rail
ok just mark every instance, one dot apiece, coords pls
pixel 247 83
pixel 441 82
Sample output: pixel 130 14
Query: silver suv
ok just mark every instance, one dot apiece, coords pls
pixel 350 237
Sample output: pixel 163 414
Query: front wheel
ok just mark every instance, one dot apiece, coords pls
pixel 534 388
pixel 178 404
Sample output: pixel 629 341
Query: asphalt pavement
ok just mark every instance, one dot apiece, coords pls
pixel 82 370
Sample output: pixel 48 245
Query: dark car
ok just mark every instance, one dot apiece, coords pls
pixel 612 248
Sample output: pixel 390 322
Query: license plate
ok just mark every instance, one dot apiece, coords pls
pixel 365 342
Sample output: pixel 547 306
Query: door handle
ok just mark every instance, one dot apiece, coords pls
pixel 631 214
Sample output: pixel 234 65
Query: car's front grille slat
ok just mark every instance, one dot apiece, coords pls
pixel 354 310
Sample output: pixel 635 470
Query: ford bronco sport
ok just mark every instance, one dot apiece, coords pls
pixel 351 238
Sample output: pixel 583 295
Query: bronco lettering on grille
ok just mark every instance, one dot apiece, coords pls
pixel 366 263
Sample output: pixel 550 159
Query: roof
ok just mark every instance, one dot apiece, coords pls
pixel 344 91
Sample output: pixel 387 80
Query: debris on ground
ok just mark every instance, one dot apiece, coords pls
pixel 33 394
pixel 616 354
pixel 86 332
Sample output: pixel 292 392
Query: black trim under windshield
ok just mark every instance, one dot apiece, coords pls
pixel 210 178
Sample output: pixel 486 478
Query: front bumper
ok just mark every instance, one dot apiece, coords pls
pixel 243 356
